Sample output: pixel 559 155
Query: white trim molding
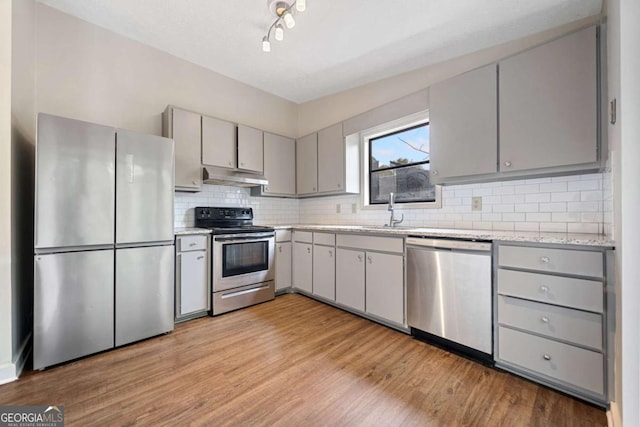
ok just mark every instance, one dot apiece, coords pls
pixel 10 372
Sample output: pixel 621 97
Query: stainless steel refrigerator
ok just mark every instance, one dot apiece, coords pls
pixel 103 238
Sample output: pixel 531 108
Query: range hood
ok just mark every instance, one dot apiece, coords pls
pixel 235 177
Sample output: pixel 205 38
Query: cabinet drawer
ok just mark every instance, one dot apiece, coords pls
pixel 283 235
pixel 566 291
pixel 566 324
pixel 573 365
pixel 328 239
pixel 191 243
pixel 303 236
pixel 580 263
pixel 370 243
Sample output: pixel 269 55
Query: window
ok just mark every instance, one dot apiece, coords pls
pixel 399 163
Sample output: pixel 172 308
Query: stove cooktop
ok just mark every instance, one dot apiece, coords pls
pixel 222 220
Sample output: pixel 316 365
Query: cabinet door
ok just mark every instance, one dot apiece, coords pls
pixel 548 104
pixel 193 286
pixel 218 143
pixel 331 159
pixel 302 266
pixel 324 272
pixel 463 116
pixel 385 286
pixel 187 136
pixel 283 265
pixel 350 278
pixel 307 164
pixel 279 164
pixel 250 149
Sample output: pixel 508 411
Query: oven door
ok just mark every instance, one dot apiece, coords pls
pixel 242 259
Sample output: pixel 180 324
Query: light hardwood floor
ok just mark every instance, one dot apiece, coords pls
pixel 291 362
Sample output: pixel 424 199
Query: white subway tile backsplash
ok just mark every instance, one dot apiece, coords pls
pixel 545 204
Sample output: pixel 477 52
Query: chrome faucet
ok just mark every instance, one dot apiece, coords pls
pixel 392 221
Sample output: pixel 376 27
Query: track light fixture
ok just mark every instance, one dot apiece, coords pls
pixel 283 11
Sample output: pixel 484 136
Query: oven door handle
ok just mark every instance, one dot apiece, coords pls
pixel 243 237
pixel 246 291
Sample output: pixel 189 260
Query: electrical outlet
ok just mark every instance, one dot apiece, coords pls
pixel 337 207
pixel 476 203
pixel 354 208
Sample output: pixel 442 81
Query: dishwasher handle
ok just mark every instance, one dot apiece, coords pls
pixel 462 245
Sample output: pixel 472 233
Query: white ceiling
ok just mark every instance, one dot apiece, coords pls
pixel 335 45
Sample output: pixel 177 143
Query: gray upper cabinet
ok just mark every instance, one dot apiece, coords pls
pixel 331 163
pixel 184 127
pixel 307 164
pixel 464 125
pixel 548 105
pixel 250 149
pixel 279 165
pixel 218 143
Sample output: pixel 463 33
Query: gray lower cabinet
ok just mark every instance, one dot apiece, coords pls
pixel 193 278
pixel 283 260
pixel 552 318
pixel 303 266
pixel 350 278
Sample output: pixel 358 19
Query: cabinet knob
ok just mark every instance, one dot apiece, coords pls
pixel 230 164
pixel 434 172
pixel 507 164
pixel 339 186
pixel 308 250
pixel 544 288
pixel 241 163
pixel 369 259
pixel 195 182
pixel 544 319
pixel 330 254
pixel 280 249
pixel 266 188
pixel 545 259
pixel 201 257
pixel 314 188
pixel 360 258
pixel 546 356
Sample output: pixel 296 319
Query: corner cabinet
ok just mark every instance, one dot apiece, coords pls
pixel 307 164
pixel 464 119
pixel 552 310
pixel 279 165
pixel 549 104
pixel 184 127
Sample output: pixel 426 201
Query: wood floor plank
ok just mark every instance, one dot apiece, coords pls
pixel 291 362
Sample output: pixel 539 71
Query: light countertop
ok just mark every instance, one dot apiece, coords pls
pixel 183 231
pixel 510 236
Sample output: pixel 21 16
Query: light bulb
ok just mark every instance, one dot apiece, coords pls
pixel 301 5
pixel 279 34
pixel 288 20
pixel 266 45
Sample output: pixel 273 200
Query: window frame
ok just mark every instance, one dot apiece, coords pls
pixel 404 123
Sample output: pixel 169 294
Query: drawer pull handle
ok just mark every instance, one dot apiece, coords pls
pixel 544 288
pixel 369 259
pixel 545 259
pixel 280 249
pixel 192 244
pixel 201 257
pixel 545 319
pixel 360 258
pixel 546 357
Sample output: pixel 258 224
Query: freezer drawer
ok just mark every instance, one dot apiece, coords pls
pixel 75 184
pixel 144 292
pixel 144 184
pixel 73 306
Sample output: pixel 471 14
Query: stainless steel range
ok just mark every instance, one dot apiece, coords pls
pixel 242 258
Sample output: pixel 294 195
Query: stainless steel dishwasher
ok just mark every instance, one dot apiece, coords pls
pixel 449 299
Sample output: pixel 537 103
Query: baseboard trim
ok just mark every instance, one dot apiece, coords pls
pixel 10 372
pixel 614 417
